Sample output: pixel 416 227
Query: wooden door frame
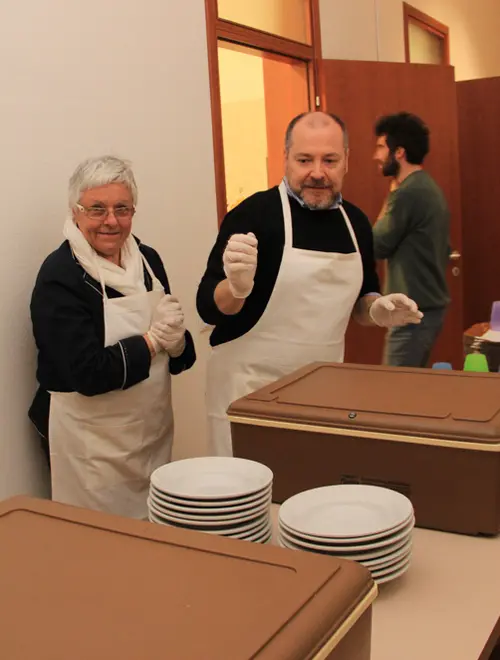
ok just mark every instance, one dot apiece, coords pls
pixel 218 28
pixel 429 24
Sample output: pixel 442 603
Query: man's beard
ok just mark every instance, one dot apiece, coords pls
pixel 320 205
pixel 391 167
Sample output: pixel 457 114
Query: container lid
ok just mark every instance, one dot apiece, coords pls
pixel 81 584
pixel 408 402
pixel 477 330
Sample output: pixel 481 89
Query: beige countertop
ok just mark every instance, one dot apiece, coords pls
pixel 447 604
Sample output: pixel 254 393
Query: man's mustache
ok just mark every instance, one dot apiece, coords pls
pixel 319 186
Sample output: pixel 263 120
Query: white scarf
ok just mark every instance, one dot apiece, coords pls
pixel 127 279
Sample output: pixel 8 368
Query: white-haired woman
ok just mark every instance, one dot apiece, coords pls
pixel 109 335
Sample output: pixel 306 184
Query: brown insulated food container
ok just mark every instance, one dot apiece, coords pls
pixel 82 585
pixel 432 435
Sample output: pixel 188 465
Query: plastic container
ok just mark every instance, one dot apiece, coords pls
pixel 435 437
pixel 114 587
pixel 495 316
pixel 476 362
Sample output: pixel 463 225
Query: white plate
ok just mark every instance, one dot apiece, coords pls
pixel 387 570
pixel 212 505
pixel 387 559
pixel 345 511
pixel 255 530
pixel 259 537
pixel 341 541
pixel 232 532
pixel 377 554
pixel 212 478
pixel 264 540
pixel 390 565
pixel 221 518
pixel 346 549
pixel 262 533
pixel 224 516
pixel 168 505
pixel 215 529
pixel 386 564
pixel 392 576
pixel 209 521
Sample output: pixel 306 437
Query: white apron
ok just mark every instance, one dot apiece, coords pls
pixel 104 448
pixel 305 321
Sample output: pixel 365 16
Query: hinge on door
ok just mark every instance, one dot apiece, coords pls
pixel 318 102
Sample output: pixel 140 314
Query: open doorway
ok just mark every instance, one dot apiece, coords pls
pixel 260 93
pixel 264 61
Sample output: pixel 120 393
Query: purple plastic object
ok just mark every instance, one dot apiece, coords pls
pixel 495 316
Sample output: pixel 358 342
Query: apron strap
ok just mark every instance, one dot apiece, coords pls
pixel 287 215
pixel 350 228
pixel 149 269
pixel 155 282
pixel 101 278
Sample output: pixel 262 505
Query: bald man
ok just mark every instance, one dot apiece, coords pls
pixel 289 268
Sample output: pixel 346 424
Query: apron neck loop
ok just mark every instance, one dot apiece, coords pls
pixel 287 215
pixel 101 277
pixel 349 227
pixel 148 268
pixel 287 219
pixel 103 284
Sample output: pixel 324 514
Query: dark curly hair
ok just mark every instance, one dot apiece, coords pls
pixel 407 131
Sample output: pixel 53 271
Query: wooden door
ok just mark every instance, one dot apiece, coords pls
pixel 360 92
pixel 286 95
pixel 479 133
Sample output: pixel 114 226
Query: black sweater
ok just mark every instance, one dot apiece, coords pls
pixel 262 214
pixel 68 325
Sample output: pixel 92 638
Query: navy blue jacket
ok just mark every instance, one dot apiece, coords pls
pixel 68 326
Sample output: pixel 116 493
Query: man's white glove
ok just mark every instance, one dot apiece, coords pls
pixel 167 332
pixel 240 263
pixel 393 310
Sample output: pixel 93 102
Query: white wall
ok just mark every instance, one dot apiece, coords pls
pixel 373 30
pixel 286 18
pixel 348 29
pixel 474 29
pixel 81 79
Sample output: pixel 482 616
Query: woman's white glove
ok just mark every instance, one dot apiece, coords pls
pixel 240 263
pixel 169 311
pixel 393 310
pixel 167 330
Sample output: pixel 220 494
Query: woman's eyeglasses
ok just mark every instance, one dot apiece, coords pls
pixel 121 212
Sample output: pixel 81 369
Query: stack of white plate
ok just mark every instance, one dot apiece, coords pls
pixel 367 524
pixel 218 495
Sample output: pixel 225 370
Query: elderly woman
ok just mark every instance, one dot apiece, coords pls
pixel 109 335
